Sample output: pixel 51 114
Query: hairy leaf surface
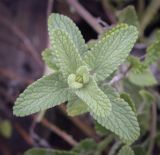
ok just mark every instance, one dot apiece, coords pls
pixel 76 107
pixel 50 59
pixel 111 50
pixel 96 100
pixel 137 65
pixel 153 53
pixel 68 58
pixel 43 94
pixel 64 23
pixel 122 120
pixel 129 16
pixel 126 150
pixel 126 97
pixel 145 78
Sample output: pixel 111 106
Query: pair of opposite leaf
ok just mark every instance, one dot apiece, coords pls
pixel 78 71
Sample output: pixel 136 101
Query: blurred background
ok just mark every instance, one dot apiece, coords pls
pixel 23 37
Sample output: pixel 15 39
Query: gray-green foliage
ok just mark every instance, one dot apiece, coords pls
pixel 76 107
pixel 145 78
pixel 85 147
pixel 129 100
pixel 141 74
pixel 45 93
pixel 40 151
pixel 79 71
pixel 113 48
pixel 122 120
pixel 128 15
pixel 137 66
pixel 143 101
pixel 49 58
pixel 153 52
pixel 126 150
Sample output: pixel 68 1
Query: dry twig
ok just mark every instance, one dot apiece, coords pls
pixel 81 125
pixel 153 128
pixel 28 45
pixel 68 138
pixel 92 21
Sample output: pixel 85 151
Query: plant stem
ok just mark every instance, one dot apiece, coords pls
pixel 140 8
pixel 120 76
pixel 114 148
pixel 108 10
pixel 38 141
pixel 92 21
pixel 24 134
pixel 49 7
pixel 149 14
pixel 153 128
pixel 103 144
pixel 88 131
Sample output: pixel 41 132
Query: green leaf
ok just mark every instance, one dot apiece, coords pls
pixel 137 65
pixel 144 121
pixel 145 78
pixel 140 150
pixel 111 50
pixel 45 93
pixel 97 101
pixel 76 107
pixel 101 130
pixel 147 96
pixel 76 81
pixel 83 74
pixel 153 53
pixel 73 84
pixel 126 150
pixel 122 120
pixel 129 100
pixel 5 128
pixel 85 147
pixel 129 16
pixel 145 110
pixel 64 23
pixel 133 91
pixel 91 43
pixel 41 151
pixel 67 56
pixel 50 59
